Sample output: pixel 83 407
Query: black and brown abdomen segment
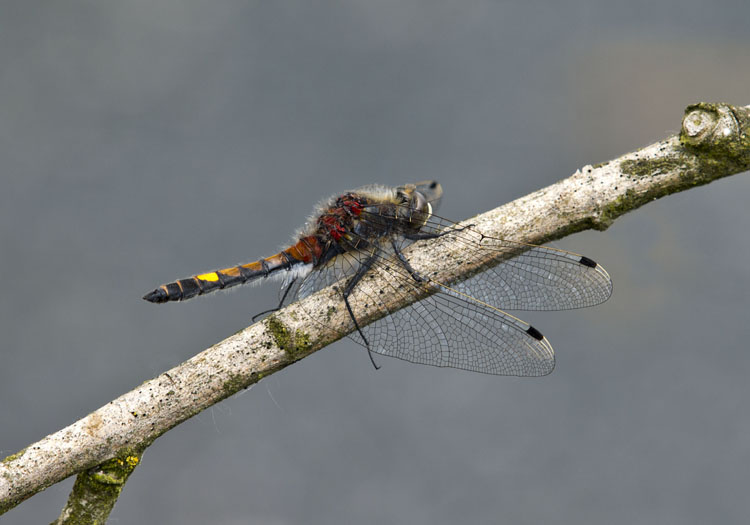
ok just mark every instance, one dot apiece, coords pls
pixel 306 251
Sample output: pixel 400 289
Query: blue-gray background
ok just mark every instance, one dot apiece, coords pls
pixel 147 140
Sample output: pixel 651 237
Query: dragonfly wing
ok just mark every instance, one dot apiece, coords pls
pixel 519 276
pixel 340 267
pixel 447 329
pixel 540 278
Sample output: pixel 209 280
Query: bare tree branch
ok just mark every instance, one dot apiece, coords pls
pixel 714 143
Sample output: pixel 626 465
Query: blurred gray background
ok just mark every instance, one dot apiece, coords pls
pixel 144 141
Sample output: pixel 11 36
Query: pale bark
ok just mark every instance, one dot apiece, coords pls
pixel 714 143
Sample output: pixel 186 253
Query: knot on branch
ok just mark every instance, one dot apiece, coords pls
pixel 717 130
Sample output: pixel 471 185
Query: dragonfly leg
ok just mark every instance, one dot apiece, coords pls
pixel 287 289
pixel 406 264
pixel 361 271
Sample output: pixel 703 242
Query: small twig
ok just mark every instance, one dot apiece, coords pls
pixel 714 143
pixel 96 490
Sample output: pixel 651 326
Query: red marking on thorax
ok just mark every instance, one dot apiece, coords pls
pixel 354 206
pixel 337 220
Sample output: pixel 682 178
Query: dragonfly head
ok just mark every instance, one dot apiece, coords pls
pixel 417 200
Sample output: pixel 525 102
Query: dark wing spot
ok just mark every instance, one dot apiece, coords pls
pixel 588 262
pixel 536 334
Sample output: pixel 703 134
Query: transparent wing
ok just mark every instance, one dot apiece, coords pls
pixel 340 267
pixel 529 277
pixel 447 329
pixel 444 328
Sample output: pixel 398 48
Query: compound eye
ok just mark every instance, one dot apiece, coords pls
pixel 420 211
pixel 419 203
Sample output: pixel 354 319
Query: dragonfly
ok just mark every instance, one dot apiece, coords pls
pixel 455 317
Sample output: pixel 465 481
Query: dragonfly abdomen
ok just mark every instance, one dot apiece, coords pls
pixel 306 251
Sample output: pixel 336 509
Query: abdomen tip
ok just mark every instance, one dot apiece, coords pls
pixel 156 296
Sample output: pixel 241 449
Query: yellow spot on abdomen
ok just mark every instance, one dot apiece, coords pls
pixel 208 276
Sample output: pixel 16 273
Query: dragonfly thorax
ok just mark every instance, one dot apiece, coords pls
pixel 356 220
pixel 338 221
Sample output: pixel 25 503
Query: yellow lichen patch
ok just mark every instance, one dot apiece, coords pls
pixel 132 461
pixel 13 457
pixel 296 345
pixel 208 276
